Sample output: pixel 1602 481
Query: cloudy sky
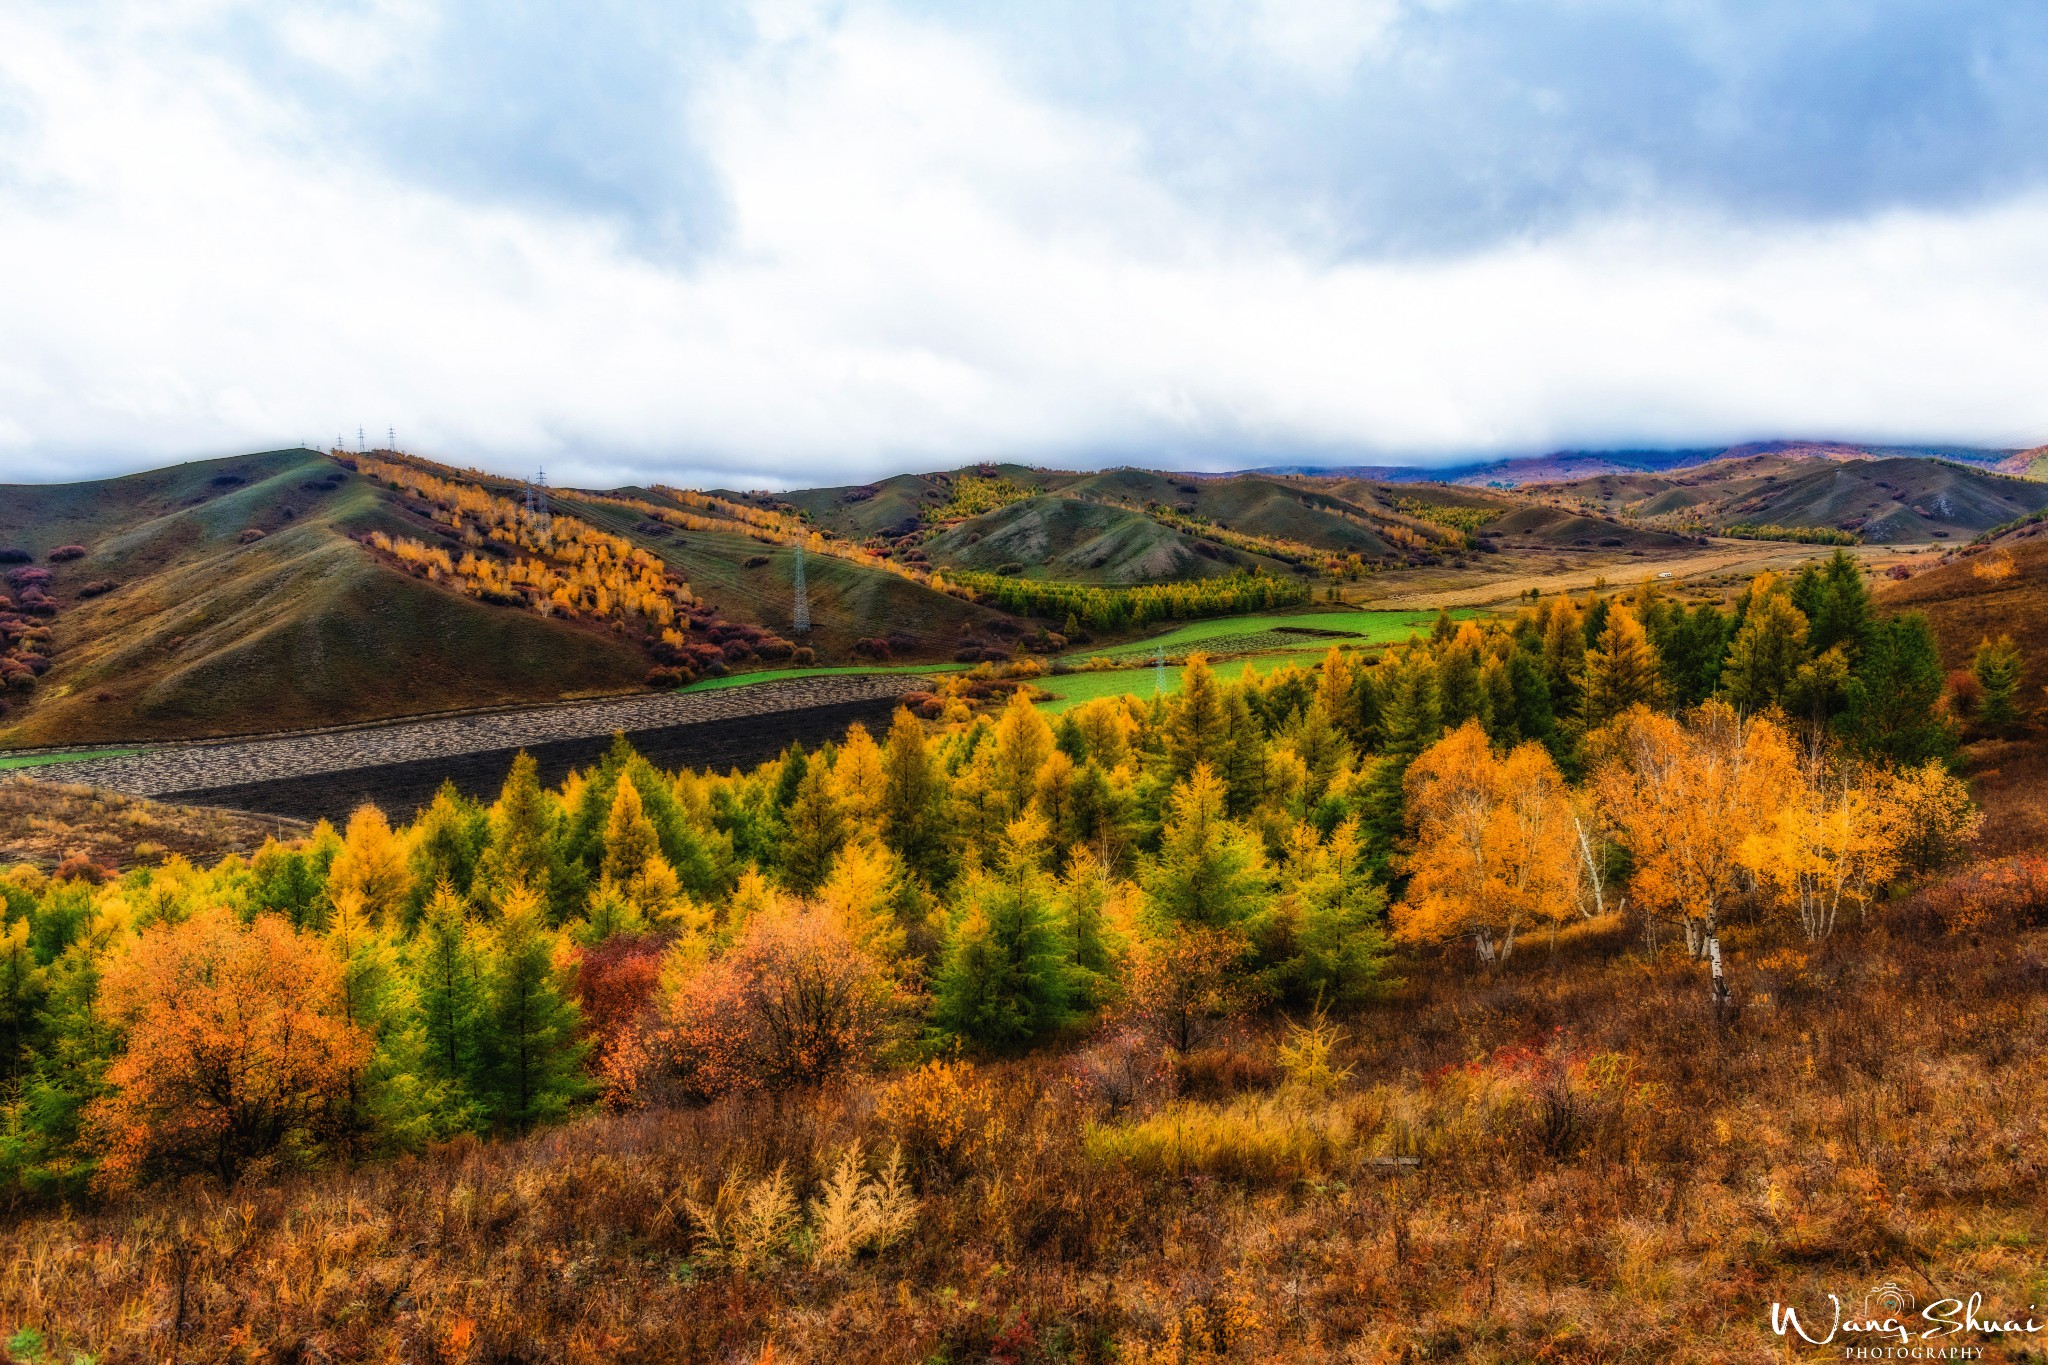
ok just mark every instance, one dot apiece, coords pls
pixel 799 241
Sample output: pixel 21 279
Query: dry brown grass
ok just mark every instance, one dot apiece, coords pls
pixel 46 822
pixel 1607 1171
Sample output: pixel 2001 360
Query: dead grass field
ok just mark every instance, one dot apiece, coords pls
pixel 45 823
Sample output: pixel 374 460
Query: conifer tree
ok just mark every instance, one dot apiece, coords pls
pixel 863 892
pixel 530 1058
pixel 22 987
pixel 447 841
pixel 372 866
pixel 1564 654
pixel 1996 666
pixel 442 962
pixel 1768 649
pixel 1894 702
pixel 1691 645
pixel 1623 672
pixel 289 882
pixel 911 796
pixel 1008 977
pixel 629 837
pixel 1023 740
pixel 1324 940
pixel 524 848
pixel 1411 723
pixel 1842 611
pixel 1209 871
pixel 79 1039
pixel 1083 901
pixel 1240 758
pixel 1533 716
pixel 1459 695
pixel 817 830
pixel 1196 719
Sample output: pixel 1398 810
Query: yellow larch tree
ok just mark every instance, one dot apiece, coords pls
pixel 1683 796
pixel 1829 839
pixel 1494 844
pixel 371 866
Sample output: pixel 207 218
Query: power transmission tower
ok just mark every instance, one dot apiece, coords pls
pixel 801 620
pixel 359 440
pixel 537 502
pixel 391 439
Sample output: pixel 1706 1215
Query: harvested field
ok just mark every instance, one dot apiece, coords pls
pixel 190 769
pixel 402 788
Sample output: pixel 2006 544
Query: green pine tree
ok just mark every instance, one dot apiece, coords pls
pixel 1197 720
pixel 1410 722
pixel 525 846
pixel 1997 670
pixel 1209 871
pixel 1894 697
pixel 442 963
pixel 1008 976
pixel 817 830
pixel 1768 649
pixel 1842 612
pixel 1623 672
pixel 530 1057
pixel 448 840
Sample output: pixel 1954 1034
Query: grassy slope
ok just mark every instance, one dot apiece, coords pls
pixel 1071 540
pixel 304 627
pixel 2002 589
pixel 848 601
pixel 1889 499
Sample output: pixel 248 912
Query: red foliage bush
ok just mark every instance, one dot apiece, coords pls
pixel 794 1002
pixel 66 552
pixel 2011 889
pixel 615 983
pixel 79 867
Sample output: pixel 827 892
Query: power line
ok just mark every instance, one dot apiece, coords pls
pixel 801 620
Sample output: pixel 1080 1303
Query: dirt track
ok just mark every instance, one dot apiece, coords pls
pixel 399 764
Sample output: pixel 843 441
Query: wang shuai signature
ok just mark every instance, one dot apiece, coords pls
pixel 1887 1314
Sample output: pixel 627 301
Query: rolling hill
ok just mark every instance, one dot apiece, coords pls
pixel 228 595
pixel 245 594
pixel 1884 500
pixel 1998 588
pixel 1126 526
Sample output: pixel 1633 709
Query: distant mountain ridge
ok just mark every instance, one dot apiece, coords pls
pixel 1564 466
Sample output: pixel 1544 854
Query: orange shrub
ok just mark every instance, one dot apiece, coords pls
pixel 238 1050
pixel 2014 888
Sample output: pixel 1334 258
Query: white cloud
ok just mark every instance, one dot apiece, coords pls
pixel 926 265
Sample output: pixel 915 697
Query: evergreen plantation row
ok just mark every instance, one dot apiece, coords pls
pixel 1157 868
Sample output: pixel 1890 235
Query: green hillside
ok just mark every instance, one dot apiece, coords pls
pixel 755 583
pixel 1067 539
pixel 238 602
pixel 1898 499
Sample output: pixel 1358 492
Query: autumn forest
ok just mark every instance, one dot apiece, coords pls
pixel 1367 963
